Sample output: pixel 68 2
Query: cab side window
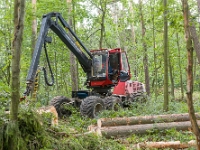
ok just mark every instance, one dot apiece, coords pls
pixel 125 66
pixel 113 62
pixel 113 68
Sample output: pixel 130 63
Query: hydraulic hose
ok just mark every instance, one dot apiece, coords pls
pixel 44 70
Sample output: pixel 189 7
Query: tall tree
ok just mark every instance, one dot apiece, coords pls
pixel 180 65
pixel 171 76
pixel 6 35
pixel 133 38
pixel 34 24
pixel 33 37
pixel 195 39
pixel 103 5
pixel 16 52
pixel 198 4
pixel 73 62
pixel 19 13
pixel 165 38
pixel 145 59
pixel 131 9
pixel 154 51
pixel 189 46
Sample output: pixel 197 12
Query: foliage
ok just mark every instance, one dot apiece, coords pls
pixel 35 133
pixel 155 136
pixel 31 133
pixel 11 131
pixel 92 142
pixel 120 19
pixel 28 131
pixel 152 107
pixel 122 29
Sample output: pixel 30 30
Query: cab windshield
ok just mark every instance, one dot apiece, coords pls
pixel 99 65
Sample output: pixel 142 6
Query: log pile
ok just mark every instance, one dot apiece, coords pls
pixel 121 127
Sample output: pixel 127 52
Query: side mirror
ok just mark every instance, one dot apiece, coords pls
pixel 124 76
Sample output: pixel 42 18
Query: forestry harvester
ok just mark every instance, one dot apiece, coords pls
pixel 108 72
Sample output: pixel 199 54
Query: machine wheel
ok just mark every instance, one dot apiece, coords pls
pixel 91 106
pixel 61 104
pixel 112 103
pixel 139 97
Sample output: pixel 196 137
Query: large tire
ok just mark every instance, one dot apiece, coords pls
pixel 112 103
pixel 61 104
pixel 91 106
pixel 139 97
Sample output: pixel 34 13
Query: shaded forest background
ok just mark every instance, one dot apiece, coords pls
pixel 157 35
pixel 122 27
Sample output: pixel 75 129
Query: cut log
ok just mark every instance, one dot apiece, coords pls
pixel 52 110
pixel 122 131
pixel 171 144
pixel 94 129
pixel 144 119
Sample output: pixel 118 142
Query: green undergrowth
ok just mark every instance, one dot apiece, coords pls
pixel 158 136
pixel 33 132
pixel 154 107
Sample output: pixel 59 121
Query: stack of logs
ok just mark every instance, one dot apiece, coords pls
pixel 122 127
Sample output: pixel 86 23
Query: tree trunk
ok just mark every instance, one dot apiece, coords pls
pixel 33 40
pixel 162 145
pixel 73 62
pixel 172 80
pixel 6 74
pixel 198 4
pixel 195 128
pixel 103 10
pixel 155 83
pixel 16 52
pixel 131 9
pixel 133 40
pixel 19 8
pixel 180 66
pixel 195 39
pixel 145 58
pixel 166 64
pixel 34 25
pixel 144 120
pixel 124 131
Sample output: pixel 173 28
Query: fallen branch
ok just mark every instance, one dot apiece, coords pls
pixel 62 134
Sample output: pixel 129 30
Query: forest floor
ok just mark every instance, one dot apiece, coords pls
pixel 76 126
pixel 72 132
